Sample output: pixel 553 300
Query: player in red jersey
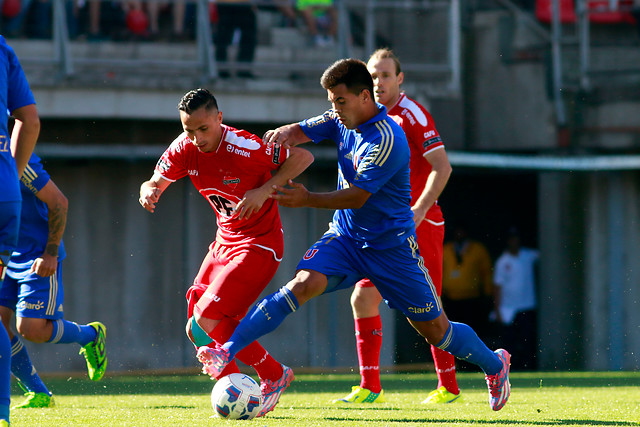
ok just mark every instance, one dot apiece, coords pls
pixel 430 170
pixel 236 173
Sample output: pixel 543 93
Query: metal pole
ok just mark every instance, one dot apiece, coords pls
pixel 61 38
pixel 616 243
pixel 584 41
pixel 556 38
pixel 204 41
pixel 370 30
pixel 454 46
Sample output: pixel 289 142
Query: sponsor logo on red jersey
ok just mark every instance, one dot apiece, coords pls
pixel 231 181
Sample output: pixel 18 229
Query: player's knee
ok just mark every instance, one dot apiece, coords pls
pixel 365 302
pixel 307 285
pixel 187 329
pixel 33 331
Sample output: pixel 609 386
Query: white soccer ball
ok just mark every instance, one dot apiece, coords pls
pixel 236 397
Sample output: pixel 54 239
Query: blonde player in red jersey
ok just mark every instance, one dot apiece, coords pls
pixel 430 170
pixel 235 171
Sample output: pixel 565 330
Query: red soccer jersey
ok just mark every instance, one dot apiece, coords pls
pixel 423 138
pixel 240 163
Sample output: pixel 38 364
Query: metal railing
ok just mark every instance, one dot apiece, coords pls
pixel 205 64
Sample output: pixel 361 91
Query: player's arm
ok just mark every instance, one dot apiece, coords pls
pixel 151 190
pixel 286 136
pixel 297 161
pixel 298 196
pixel 57 205
pixel 24 136
pixel 437 180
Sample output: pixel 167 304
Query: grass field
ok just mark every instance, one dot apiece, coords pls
pixel 537 399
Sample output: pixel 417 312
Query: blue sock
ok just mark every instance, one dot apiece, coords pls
pixel 266 316
pixel 462 341
pixel 23 369
pixel 65 332
pixel 5 374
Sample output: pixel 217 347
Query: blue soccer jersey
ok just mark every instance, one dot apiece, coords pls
pixel 375 158
pixel 15 93
pixel 34 220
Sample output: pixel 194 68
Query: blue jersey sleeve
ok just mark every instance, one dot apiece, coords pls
pixel 19 93
pixel 35 177
pixel 382 160
pixel 321 127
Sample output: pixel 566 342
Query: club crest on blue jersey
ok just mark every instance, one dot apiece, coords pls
pixel 310 253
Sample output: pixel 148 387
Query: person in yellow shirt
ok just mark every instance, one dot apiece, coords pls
pixel 467 282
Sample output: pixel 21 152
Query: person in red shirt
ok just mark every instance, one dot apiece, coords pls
pixel 235 171
pixel 430 171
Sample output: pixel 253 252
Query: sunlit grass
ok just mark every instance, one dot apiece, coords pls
pixel 538 399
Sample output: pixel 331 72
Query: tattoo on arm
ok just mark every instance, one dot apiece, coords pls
pixel 57 224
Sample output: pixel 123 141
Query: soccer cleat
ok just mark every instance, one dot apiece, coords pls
pixel 362 395
pixel 4 423
pixel 272 390
pixel 499 386
pixel 36 400
pixel 95 352
pixel 442 395
pixel 213 360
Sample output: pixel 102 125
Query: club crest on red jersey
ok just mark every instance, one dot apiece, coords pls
pixel 231 181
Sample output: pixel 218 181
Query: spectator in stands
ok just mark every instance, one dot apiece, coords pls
pixel 103 19
pixel 236 15
pixel 12 22
pixel 177 9
pixel 40 19
pixel 319 14
pixel 635 11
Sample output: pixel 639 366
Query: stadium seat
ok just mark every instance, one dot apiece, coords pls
pixel 599 12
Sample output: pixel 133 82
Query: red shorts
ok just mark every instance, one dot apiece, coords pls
pixel 230 280
pixel 430 243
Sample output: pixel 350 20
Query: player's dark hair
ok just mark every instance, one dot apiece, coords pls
pixel 197 98
pixel 384 53
pixel 351 72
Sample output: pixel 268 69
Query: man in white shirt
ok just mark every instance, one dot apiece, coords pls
pixel 515 300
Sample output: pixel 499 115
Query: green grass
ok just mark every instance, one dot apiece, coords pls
pixel 537 399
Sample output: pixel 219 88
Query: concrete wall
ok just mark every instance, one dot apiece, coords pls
pixel 130 270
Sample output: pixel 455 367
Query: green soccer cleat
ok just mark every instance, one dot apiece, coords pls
pixel 96 353
pixel 36 400
pixel 362 395
pixel 4 423
pixel 442 395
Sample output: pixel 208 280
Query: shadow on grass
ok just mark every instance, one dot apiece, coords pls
pixel 313 384
pixel 455 421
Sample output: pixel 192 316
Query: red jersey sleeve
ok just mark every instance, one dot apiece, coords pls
pixel 171 164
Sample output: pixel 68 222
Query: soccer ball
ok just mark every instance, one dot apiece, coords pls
pixel 236 397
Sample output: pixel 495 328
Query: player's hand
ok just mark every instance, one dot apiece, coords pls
pixel 278 137
pixel 45 265
pixel 149 196
pixel 418 215
pixel 251 203
pixel 294 197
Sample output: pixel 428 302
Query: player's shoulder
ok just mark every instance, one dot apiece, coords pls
pixel 180 143
pixel 416 113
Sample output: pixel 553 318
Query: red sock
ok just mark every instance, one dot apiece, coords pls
pixel 253 355
pixel 368 344
pixel 446 369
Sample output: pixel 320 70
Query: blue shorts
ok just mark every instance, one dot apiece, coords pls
pixel 398 273
pixel 33 296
